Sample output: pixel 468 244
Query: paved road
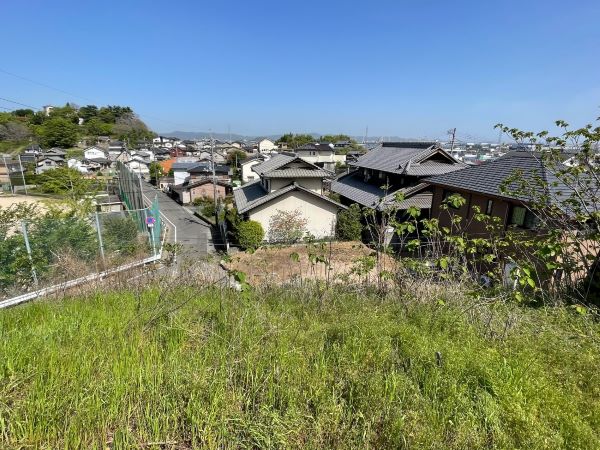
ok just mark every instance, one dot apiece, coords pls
pixel 193 233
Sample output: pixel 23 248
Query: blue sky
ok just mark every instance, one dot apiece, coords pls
pixel 404 68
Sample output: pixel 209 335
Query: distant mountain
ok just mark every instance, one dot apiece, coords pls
pixel 191 135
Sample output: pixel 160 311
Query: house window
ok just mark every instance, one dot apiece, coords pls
pixel 381 175
pixel 488 207
pixel 523 218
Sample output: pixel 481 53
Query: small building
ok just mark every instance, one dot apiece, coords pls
pixel 323 155
pixel 45 163
pixel 94 152
pixel 180 171
pixel 190 191
pixel 204 170
pixel 9 170
pixel 246 167
pixel 266 146
pixel 138 167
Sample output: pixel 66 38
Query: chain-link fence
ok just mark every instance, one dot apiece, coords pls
pixel 49 250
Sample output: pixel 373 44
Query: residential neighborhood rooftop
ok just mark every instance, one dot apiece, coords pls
pixel 253 194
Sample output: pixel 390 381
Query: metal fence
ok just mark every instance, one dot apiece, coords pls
pixel 48 249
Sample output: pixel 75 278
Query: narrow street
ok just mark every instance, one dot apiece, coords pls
pixel 192 233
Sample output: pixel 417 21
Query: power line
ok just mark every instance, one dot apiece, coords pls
pixel 79 96
pixel 18 103
pixel 44 85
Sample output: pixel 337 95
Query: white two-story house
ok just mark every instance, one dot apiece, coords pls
pixel 94 152
pixel 323 155
pixel 288 183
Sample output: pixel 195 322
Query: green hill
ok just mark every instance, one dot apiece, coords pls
pixel 67 125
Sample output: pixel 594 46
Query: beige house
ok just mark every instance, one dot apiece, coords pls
pixel 188 192
pixel 289 183
pixel 322 155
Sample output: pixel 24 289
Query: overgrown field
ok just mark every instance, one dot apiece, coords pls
pixel 284 369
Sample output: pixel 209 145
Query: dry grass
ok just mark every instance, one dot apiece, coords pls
pixel 276 264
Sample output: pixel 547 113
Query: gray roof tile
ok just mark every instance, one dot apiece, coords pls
pixel 403 160
pixel 488 177
pixel 252 195
pixel 355 189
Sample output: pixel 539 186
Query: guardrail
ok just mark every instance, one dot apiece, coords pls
pixel 71 283
pixel 77 281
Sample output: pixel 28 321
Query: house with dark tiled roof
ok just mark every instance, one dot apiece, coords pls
pixel 391 168
pixel 481 185
pixel 48 162
pixel 288 183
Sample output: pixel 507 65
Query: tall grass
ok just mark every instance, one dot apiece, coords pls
pixel 282 369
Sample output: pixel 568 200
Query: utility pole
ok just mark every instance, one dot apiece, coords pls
pixel 212 163
pixel 453 133
pixel 366 135
pixel 23 174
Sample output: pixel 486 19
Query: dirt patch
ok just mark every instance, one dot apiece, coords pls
pixel 9 200
pixel 277 265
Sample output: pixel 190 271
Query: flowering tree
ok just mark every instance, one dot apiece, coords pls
pixel 287 227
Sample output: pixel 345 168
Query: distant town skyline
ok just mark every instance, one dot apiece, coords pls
pixel 269 67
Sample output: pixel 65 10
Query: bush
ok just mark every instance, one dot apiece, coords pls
pixel 120 234
pixel 287 226
pixel 349 226
pixel 250 234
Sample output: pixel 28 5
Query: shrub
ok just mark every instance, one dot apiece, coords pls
pixel 208 210
pixel 287 226
pixel 349 226
pixel 120 234
pixel 250 234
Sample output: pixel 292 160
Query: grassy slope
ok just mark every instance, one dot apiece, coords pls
pixel 278 371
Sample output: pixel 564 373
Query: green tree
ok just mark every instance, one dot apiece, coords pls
pixel 88 112
pixel 156 171
pixel 67 181
pixel 95 127
pixel 349 225
pixel 235 157
pixel 67 112
pixel 58 132
pixel 295 140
